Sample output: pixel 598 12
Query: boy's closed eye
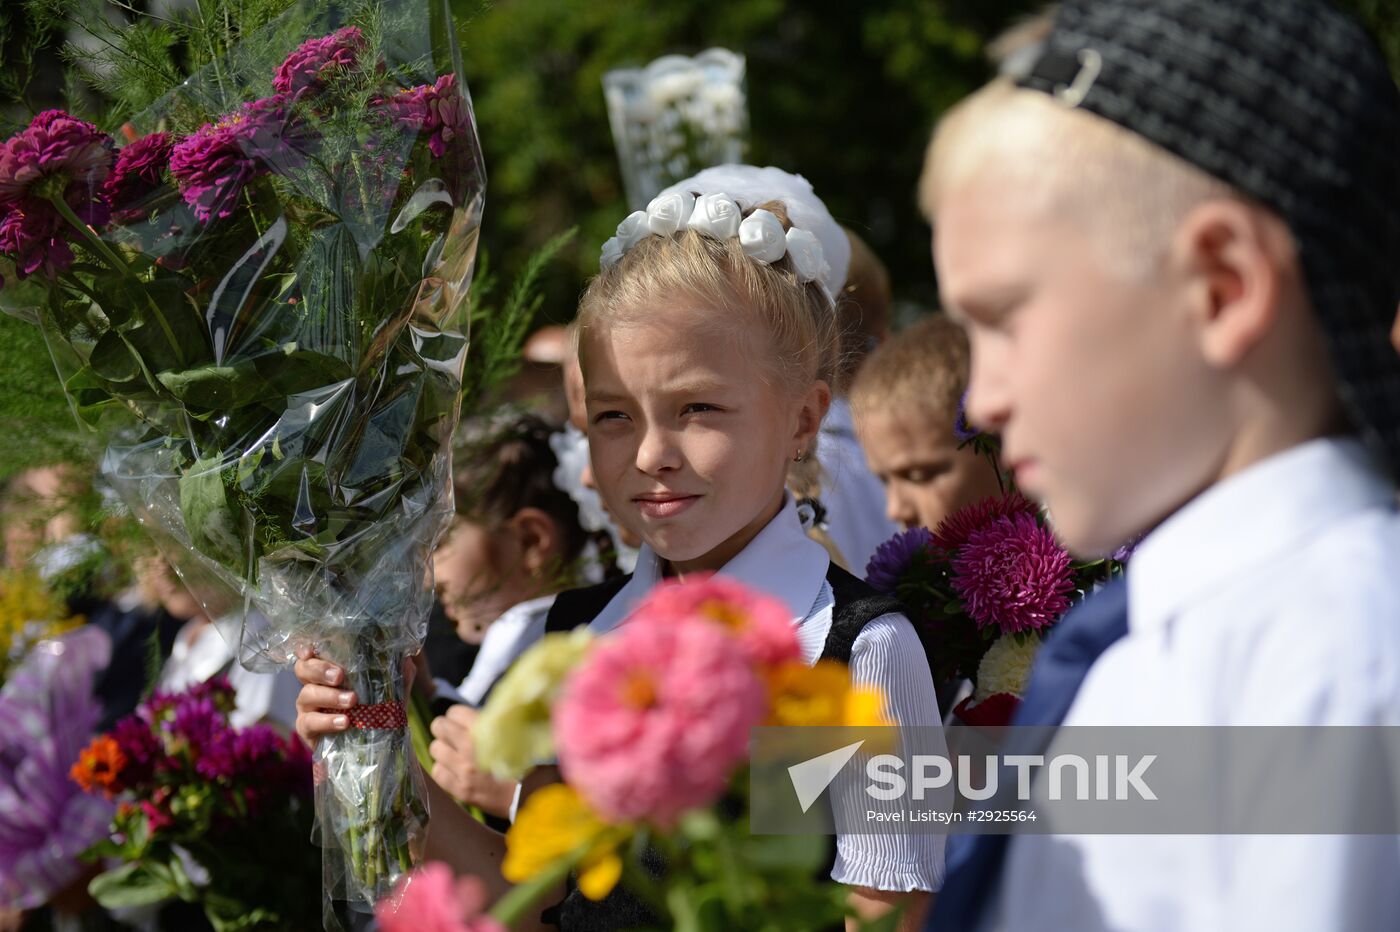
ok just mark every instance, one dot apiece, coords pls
pixel 919 473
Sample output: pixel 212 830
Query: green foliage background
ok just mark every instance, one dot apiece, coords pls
pixel 844 93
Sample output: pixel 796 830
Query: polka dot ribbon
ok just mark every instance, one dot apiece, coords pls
pixel 382 715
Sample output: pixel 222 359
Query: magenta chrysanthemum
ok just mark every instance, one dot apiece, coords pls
pixel 1013 574
pixel 656 718
pixel 56 156
pixel 437 111
pixel 317 61
pixel 137 173
pixel 953 531
pixel 892 558
pixel 214 163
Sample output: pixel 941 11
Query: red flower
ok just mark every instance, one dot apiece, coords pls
pixel 954 530
pixel 99 766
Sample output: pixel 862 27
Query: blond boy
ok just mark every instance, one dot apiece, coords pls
pixel 1174 246
pixel 906 401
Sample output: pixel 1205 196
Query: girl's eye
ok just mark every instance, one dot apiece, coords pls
pixel 699 408
pixel 924 474
pixel 608 416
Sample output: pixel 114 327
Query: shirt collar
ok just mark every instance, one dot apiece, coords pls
pixel 1250 519
pixel 781 561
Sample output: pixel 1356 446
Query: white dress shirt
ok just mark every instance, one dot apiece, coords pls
pixel 854 499
pixel 788 565
pixel 519 627
pixel 1273 598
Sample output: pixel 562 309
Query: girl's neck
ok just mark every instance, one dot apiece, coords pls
pixel 716 559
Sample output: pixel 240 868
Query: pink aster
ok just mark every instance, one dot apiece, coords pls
pixel 436 110
pixel 431 899
pixel 953 531
pixel 137 174
pixel 1012 574
pixel 317 61
pixel 762 624
pixel 656 718
pixel 213 164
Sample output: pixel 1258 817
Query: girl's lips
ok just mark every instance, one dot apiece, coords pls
pixel 664 508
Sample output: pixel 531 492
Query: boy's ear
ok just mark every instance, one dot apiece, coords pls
pixel 538 537
pixel 815 403
pixel 1237 259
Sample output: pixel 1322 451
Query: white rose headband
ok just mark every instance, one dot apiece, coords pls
pixel 712 203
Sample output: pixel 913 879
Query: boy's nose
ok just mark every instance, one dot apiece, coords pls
pixel 657 452
pixel 898 507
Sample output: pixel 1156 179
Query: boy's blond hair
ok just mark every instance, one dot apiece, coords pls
pixel 1130 194
pixel 921 372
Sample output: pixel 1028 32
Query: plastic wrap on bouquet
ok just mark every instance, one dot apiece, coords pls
pixel 47 715
pixel 676 116
pixel 271 275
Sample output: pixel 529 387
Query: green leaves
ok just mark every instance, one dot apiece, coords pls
pixel 133 884
pixel 212 525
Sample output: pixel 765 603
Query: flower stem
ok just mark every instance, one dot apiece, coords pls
pixel 116 262
pixel 92 238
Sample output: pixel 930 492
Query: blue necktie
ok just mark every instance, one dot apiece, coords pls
pixel 974 868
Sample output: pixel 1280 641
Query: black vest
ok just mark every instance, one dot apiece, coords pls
pixel 856 605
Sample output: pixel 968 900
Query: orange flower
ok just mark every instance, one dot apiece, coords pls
pixel 822 695
pixel 99 766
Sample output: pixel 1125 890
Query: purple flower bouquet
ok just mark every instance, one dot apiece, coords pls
pixel 206 813
pixel 982 589
pixel 270 277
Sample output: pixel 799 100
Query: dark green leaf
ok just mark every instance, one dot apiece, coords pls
pixel 129 885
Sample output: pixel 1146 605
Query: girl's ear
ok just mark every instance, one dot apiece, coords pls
pixel 814 404
pixel 539 539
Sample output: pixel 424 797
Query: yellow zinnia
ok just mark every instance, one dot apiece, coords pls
pixel 822 695
pixel 554 824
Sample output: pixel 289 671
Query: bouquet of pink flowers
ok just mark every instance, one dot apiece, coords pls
pixel 206 813
pixel 270 276
pixel 651 728
pixel 983 588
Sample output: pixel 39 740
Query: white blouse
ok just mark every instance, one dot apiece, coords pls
pixel 786 564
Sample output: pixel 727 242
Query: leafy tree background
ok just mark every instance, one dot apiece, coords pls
pixel 844 93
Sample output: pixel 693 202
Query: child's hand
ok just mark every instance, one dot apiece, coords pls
pixel 319 679
pixel 454 764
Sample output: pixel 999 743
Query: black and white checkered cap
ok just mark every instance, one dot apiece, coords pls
pixel 1289 102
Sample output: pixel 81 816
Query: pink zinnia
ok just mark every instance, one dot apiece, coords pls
pixel 431 899
pixel 762 624
pixel 1014 575
pixel 656 718
pixel 435 110
pixel 55 156
pixel 214 163
pixel 317 61
pixel 953 531
pixel 137 174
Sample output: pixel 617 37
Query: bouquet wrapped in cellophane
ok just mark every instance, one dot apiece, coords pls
pixel 269 270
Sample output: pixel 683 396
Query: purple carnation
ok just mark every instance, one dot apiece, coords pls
pixel 214 163
pixel 435 110
pixel 55 156
pixel 136 174
pixel 1012 574
pixel 198 724
pixel 317 61
pixel 892 558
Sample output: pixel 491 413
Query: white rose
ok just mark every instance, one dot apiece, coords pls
pixel 633 229
pixel 668 213
pixel 804 252
pixel 715 215
pixel 761 236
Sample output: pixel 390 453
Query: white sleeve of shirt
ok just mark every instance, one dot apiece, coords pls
pixel 887 654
